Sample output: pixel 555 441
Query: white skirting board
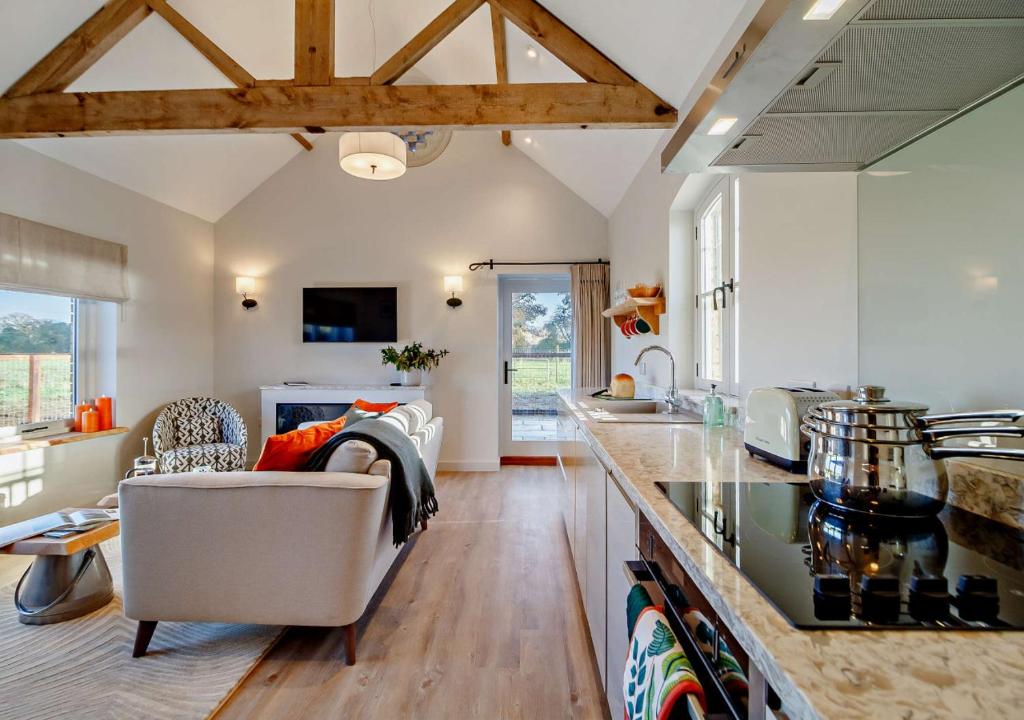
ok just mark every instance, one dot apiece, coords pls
pixel 468 466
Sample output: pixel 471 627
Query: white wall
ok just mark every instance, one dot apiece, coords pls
pixel 313 224
pixel 165 331
pixel 638 237
pixel 942 262
pixel 798 273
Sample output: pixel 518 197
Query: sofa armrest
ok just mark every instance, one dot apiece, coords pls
pixel 250 547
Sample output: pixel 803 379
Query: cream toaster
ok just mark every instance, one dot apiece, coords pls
pixel 772 429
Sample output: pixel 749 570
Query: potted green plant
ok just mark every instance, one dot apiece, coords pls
pixel 412 361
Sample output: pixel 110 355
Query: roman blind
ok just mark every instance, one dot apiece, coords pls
pixel 43 258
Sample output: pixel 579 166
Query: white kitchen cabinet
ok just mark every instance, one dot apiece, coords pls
pixel 567 497
pixel 593 477
pixel 621 546
pixel 584 459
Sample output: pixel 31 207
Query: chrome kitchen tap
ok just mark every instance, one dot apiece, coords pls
pixel 675 405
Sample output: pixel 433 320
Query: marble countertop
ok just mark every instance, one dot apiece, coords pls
pixel 312 386
pixel 828 674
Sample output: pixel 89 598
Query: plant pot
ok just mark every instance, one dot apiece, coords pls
pixel 411 378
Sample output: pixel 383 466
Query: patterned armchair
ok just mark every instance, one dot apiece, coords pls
pixel 199 431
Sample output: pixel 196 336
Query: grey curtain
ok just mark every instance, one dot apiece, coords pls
pixel 591 332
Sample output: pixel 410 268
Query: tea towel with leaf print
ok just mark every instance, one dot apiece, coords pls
pixel 658 674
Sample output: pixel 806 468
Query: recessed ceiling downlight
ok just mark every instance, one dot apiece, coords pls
pixel 372 155
pixel 823 9
pixel 722 125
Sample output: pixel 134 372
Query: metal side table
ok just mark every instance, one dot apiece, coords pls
pixel 68 578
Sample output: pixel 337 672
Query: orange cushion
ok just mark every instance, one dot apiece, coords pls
pixel 375 407
pixel 291 450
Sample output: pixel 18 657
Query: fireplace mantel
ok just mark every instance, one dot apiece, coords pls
pixel 273 395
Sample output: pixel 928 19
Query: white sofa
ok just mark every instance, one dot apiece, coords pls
pixel 275 548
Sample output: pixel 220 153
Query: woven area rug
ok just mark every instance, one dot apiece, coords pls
pixel 83 668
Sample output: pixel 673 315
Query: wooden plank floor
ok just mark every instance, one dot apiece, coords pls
pixel 481 620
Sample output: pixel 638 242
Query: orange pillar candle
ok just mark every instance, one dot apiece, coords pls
pixel 90 421
pixel 105 407
pixel 79 410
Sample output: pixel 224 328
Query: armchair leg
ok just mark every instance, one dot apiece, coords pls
pixel 423 525
pixel 142 637
pixel 350 643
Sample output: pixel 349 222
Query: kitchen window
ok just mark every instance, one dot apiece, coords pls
pixel 716 261
pixel 39 356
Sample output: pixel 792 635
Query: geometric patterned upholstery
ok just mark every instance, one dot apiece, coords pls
pixel 222 457
pixel 199 431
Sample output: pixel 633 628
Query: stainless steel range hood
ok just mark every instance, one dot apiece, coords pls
pixel 841 94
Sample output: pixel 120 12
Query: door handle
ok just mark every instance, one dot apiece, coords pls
pixel 507 371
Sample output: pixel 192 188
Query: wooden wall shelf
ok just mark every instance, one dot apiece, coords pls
pixel 650 309
pixel 11 447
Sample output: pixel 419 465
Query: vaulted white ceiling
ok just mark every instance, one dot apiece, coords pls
pixel 663 43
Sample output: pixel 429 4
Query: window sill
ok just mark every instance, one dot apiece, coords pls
pixel 12 447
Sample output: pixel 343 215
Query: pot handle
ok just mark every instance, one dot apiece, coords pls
pixel 994 431
pixel 943 453
pixel 1008 415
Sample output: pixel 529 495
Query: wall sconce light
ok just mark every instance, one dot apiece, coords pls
pixel 453 284
pixel 244 286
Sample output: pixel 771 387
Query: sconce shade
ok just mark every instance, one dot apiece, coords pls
pixel 372 155
pixel 245 285
pixel 453 283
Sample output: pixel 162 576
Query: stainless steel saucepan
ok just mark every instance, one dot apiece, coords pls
pixel 873 455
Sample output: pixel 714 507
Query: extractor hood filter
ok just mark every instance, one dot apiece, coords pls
pixel 897 69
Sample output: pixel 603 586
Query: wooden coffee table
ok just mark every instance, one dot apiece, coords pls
pixel 68 578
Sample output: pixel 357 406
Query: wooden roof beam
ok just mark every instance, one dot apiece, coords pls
pixel 81 49
pixel 314 42
pixel 500 59
pixel 562 41
pixel 294 109
pixel 426 40
pixel 211 51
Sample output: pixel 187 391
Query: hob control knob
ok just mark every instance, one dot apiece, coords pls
pixel 880 598
pixel 832 597
pixel 977 597
pixel 929 598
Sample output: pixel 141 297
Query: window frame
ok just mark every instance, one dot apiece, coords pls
pixel 726 188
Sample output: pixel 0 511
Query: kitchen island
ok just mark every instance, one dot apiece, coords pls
pixel 820 673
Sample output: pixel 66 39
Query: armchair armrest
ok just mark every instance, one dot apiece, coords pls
pixel 163 434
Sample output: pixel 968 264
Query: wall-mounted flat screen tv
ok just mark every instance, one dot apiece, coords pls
pixel 363 314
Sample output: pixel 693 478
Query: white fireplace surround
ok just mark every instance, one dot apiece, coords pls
pixel 273 395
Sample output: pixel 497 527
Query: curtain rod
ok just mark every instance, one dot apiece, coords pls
pixel 489 264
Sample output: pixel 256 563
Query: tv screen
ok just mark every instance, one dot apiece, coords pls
pixel 368 314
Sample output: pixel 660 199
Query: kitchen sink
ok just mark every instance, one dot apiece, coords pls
pixel 636 411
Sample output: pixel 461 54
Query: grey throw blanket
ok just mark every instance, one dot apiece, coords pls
pixel 412 493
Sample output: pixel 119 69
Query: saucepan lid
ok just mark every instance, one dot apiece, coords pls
pixel 870 407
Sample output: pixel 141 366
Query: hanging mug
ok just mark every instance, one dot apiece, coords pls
pixel 641 326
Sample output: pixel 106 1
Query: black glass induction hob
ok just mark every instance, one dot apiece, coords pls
pixel 830 570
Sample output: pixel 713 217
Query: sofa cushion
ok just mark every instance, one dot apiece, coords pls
pixel 410 418
pixel 352 456
pixel 291 450
pixel 374 407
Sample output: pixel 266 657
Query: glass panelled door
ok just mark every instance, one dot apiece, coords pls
pixel 536 361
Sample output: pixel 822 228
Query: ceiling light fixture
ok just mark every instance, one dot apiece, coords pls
pixel 528 140
pixel 722 125
pixel 823 9
pixel 531 52
pixel 372 155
